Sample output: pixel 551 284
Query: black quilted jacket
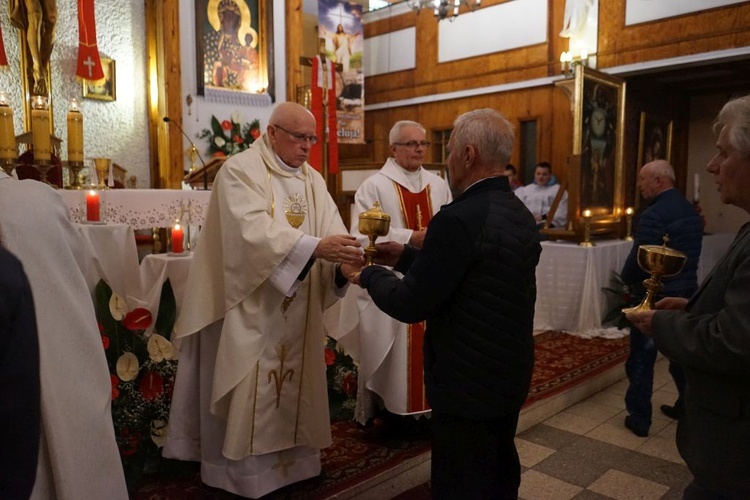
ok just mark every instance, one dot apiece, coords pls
pixel 474 282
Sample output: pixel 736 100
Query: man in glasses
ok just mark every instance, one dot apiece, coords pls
pixel 390 357
pixel 250 400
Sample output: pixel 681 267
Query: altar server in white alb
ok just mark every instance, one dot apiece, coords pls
pixel 539 196
pixel 78 456
pixel 389 352
pixel 250 400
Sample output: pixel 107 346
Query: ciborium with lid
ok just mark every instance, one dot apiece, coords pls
pixel 659 261
pixel 373 223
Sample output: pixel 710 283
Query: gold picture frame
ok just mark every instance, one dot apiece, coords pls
pixel 104 89
pixel 654 143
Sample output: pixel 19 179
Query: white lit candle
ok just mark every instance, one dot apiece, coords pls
pixel 75 132
pixel 40 129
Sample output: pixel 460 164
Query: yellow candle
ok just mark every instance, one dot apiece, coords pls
pixel 40 130
pixel 75 133
pixel 8 148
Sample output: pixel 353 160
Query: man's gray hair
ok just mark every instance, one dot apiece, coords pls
pixel 736 115
pixel 395 135
pixel 489 132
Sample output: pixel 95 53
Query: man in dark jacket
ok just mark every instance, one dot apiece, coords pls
pixel 474 282
pixel 669 214
pixel 709 335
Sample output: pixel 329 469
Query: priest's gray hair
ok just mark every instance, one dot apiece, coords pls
pixel 489 132
pixel 395 134
pixel 736 115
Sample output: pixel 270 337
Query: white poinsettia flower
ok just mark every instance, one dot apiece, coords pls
pixel 158 432
pixel 127 367
pixel 219 141
pixel 117 307
pixel 159 348
pixel 236 117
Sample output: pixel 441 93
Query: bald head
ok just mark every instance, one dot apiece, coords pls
pixel 655 178
pixel 291 131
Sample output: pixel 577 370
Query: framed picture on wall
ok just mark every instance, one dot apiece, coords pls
pixel 598 137
pixel 233 45
pixel 654 142
pixel 104 89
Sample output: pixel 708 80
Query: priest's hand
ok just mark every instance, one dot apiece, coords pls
pixel 417 238
pixel 642 320
pixel 341 248
pixel 388 253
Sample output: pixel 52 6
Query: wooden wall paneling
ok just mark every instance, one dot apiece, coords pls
pixel 294 38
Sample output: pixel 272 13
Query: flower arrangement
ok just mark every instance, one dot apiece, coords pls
pixel 142 372
pixel 341 373
pixel 229 137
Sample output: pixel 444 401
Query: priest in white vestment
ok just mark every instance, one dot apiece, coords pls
pixel 250 400
pixel 78 456
pixel 388 352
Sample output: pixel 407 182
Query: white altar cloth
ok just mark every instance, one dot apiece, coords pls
pixel 142 208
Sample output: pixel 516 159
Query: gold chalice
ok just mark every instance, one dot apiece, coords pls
pixel 102 172
pixel 373 223
pixel 661 262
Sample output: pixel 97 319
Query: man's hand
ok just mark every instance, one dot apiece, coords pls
pixel 388 253
pixel 677 303
pixel 342 248
pixel 351 272
pixel 417 238
pixel 642 320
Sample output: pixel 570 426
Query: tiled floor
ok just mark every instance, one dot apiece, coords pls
pixel 585 452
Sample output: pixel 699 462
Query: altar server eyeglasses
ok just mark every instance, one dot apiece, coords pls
pixel 299 137
pixel 413 144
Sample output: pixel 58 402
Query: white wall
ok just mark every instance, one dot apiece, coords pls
pixel 117 129
pixel 720 218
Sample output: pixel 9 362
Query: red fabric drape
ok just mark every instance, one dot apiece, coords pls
pixel 316 107
pixel 333 128
pixel 89 65
pixel 3 57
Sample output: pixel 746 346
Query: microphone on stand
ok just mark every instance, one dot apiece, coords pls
pixel 205 170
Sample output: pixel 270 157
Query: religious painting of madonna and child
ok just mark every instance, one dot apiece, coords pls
pixel 231 45
pixel 598 138
pixel 342 42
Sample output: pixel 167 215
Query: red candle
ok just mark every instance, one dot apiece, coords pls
pixel 178 237
pixel 92 206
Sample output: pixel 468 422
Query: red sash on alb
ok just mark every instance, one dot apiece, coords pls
pixel 416 211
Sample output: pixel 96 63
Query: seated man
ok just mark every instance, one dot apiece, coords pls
pixel 538 197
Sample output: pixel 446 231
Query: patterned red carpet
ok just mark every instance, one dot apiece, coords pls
pixel 357 454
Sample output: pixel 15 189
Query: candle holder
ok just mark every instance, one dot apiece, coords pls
pixel 586 230
pixel 44 166
pixel 75 168
pixel 101 165
pixel 629 224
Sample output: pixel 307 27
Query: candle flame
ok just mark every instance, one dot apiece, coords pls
pixel 629 211
pixel 587 213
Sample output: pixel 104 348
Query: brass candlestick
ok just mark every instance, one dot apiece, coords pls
pixel 660 262
pixel 629 224
pixel 586 230
pixel 373 223
pixel 75 168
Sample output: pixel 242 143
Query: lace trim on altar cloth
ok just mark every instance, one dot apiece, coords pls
pixel 236 97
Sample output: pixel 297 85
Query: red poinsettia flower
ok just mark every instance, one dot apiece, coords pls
pixel 226 125
pixel 330 357
pixel 239 140
pixel 137 319
pixel 219 154
pixel 128 442
pixel 255 133
pixel 105 342
pixel 349 385
pixel 115 381
pixel 152 385
pixel 101 327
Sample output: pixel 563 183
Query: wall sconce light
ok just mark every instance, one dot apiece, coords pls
pixel 568 62
pixel 444 9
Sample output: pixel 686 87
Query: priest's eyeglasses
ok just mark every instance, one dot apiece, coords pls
pixel 413 144
pixel 299 137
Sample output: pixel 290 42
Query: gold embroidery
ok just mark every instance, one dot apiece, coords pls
pixel 295 210
pixel 282 350
pixel 419 218
pixel 287 302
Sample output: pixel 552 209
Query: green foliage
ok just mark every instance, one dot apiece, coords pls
pixel 229 137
